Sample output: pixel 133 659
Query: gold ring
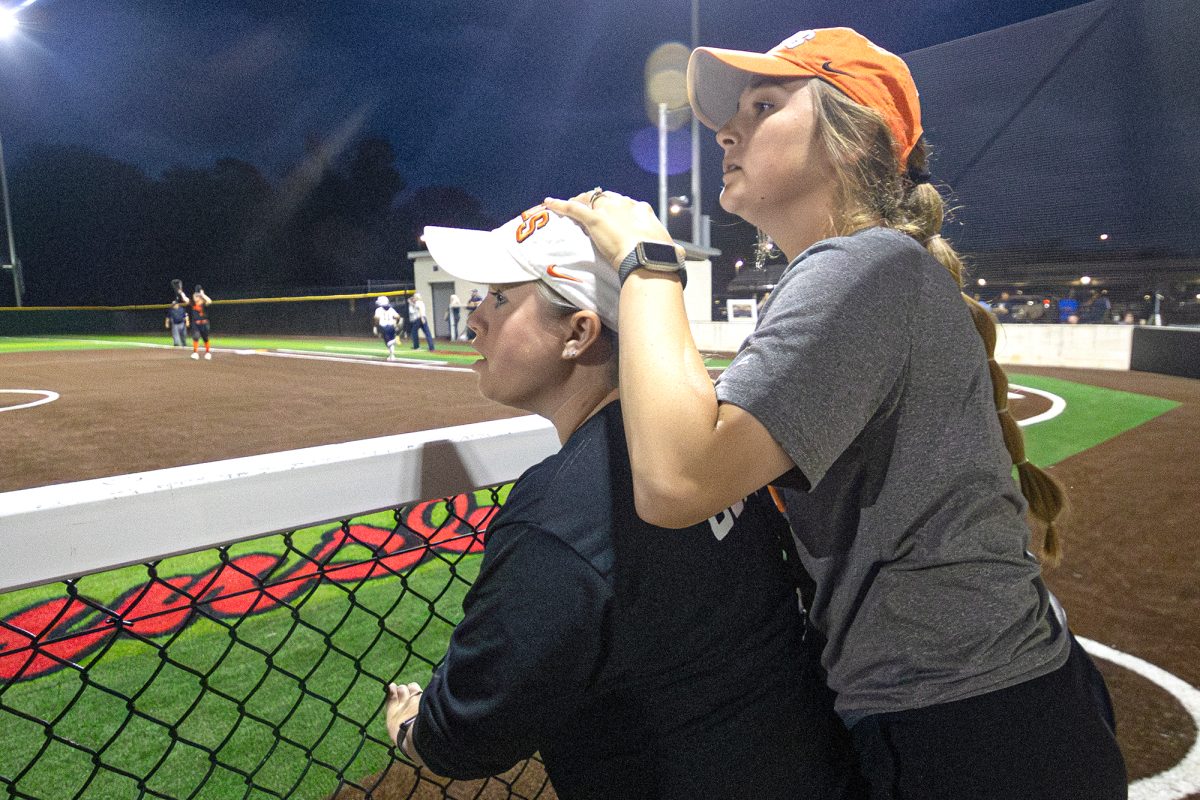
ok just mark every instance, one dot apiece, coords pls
pixel 595 195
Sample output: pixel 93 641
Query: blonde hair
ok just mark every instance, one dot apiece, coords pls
pixel 873 190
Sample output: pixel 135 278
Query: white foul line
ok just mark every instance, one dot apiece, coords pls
pixel 1057 405
pixel 409 364
pixel 1182 779
pixel 47 396
pixel 412 363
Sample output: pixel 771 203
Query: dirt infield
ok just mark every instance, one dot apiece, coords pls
pixel 131 410
pixel 1130 578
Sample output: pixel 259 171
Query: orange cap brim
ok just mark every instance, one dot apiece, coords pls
pixel 716 79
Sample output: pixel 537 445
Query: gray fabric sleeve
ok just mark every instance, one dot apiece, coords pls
pixel 830 344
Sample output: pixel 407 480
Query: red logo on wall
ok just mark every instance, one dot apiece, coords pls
pixel 57 633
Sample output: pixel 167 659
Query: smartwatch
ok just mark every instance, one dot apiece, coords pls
pixel 656 256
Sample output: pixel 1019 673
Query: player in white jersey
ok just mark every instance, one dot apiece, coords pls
pixel 386 318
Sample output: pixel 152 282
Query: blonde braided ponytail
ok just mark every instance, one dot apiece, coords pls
pixel 873 191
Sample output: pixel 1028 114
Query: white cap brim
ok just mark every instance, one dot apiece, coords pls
pixel 552 249
pixel 476 256
pixel 716 79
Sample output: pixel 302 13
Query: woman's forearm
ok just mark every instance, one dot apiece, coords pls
pixel 667 401
pixel 691 456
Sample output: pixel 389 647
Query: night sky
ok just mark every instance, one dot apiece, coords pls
pixel 510 101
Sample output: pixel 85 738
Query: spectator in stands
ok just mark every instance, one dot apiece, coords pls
pixel 868 394
pixel 640 662
pixel 1001 307
pixel 1097 309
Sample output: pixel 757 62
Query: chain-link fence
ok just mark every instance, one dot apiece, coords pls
pixel 250 670
pixel 192 632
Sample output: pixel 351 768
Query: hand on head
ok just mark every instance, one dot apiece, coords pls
pixel 614 222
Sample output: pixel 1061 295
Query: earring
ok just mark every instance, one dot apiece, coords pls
pixel 571 352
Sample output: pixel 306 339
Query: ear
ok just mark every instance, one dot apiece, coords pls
pixel 582 333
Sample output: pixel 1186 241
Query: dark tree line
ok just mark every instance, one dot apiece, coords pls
pixel 91 229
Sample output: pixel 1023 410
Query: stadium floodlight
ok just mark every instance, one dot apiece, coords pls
pixel 8 22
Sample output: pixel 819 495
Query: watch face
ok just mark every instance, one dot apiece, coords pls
pixel 660 253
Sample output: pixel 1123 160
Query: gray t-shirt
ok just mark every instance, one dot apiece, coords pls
pixel 866 368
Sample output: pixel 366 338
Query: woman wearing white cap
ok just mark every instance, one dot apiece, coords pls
pixel 868 394
pixel 640 662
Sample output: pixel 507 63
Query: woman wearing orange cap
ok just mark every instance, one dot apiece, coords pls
pixel 868 396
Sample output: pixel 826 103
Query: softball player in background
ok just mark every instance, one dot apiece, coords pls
pixel 198 312
pixel 386 318
pixel 867 392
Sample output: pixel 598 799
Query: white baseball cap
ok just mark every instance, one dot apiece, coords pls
pixel 537 245
pixel 381 301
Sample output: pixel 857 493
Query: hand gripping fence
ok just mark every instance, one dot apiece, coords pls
pixel 161 636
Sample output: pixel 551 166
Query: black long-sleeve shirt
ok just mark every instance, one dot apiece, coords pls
pixel 641 662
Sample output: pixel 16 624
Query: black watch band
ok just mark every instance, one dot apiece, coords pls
pixel 402 734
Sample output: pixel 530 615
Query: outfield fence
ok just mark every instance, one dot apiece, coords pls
pixel 342 314
pixel 226 630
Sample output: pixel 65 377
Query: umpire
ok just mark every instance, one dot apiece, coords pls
pixel 177 323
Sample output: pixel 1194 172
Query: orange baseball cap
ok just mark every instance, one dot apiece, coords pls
pixel 866 73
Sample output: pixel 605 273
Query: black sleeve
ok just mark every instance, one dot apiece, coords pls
pixel 519 662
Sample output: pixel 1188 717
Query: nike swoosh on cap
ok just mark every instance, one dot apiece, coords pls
pixel 554 273
pixel 826 66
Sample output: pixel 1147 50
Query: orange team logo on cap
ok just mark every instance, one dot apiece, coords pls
pixel 531 220
pixel 553 272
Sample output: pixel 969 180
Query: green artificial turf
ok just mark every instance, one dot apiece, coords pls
pixel 1092 415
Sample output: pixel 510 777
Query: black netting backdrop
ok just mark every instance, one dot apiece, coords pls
pixel 250 671
pixel 1055 132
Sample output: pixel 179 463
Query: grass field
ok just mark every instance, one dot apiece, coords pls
pixel 1092 415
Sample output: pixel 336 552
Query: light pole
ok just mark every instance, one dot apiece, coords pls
pixel 697 236
pixel 13 263
pixel 8 26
